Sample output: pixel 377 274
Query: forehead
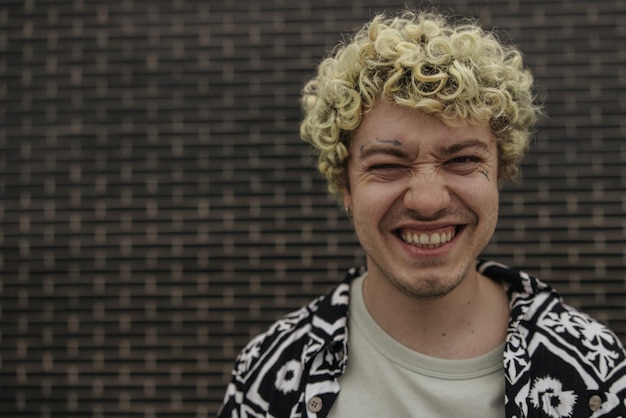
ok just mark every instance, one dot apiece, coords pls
pixel 389 124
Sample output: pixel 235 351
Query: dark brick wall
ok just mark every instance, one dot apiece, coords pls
pixel 158 208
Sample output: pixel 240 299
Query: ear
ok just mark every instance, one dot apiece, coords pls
pixel 347 199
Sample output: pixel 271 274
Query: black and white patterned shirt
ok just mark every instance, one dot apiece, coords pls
pixel 558 362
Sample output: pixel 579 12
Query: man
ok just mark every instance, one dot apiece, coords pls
pixel 418 122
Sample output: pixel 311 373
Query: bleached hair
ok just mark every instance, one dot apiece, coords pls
pixel 422 61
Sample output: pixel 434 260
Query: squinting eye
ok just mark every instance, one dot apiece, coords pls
pixel 463 160
pixel 385 167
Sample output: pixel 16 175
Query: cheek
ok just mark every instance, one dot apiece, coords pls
pixel 479 193
pixel 488 204
pixel 372 198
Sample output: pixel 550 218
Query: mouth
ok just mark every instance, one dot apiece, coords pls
pixel 428 239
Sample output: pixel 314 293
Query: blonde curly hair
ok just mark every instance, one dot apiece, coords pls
pixel 419 60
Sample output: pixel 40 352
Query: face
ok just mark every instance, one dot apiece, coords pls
pixel 423 197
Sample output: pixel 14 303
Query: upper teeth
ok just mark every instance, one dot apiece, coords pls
pixel 429 240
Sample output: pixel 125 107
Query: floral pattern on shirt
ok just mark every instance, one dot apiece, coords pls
pixel 558 362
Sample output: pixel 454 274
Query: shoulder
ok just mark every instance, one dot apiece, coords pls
pixel 538 307
pixel 554 348
pixel 272 368
pixel 573 355
pixel 320 320
pixel 541 312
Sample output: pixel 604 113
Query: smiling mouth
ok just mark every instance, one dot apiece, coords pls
pixel 428 240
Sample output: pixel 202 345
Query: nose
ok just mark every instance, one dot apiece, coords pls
pixel 426 194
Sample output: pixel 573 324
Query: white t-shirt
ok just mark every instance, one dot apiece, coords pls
pixel 386 379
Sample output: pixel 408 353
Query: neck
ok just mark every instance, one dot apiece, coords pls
pixel 468 322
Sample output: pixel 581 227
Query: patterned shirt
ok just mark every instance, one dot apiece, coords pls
pixel 558 362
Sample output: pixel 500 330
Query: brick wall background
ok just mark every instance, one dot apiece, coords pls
pixel 158 208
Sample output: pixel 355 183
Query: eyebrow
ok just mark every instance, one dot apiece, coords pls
pixel 383 146
pixel 393 147
pixel 460 146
